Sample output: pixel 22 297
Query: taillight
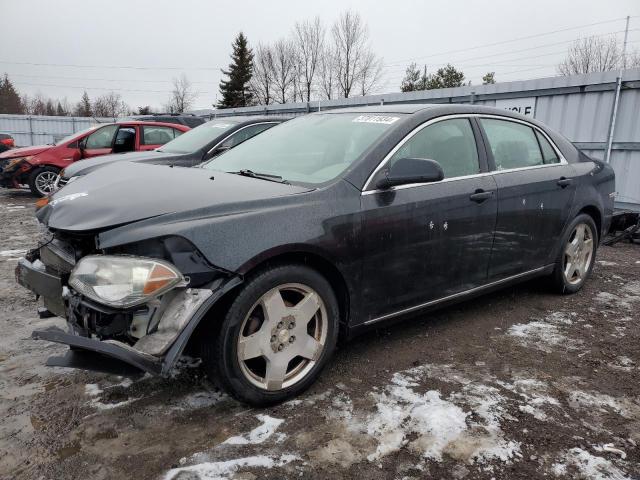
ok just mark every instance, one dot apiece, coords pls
pixel 7 141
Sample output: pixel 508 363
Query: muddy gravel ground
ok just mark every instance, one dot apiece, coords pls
pixel 518 384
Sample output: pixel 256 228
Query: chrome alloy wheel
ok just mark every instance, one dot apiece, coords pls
pixel 45 182
pixel 282 337
pixel 578 254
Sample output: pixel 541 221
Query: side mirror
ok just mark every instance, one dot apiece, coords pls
pixel 410 170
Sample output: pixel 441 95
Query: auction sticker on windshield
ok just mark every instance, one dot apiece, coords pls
pixel 376 119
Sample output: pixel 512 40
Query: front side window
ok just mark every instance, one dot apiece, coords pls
pixel 199 137
pixel 451 143
pixel 513 145
pixel 245 134
pixel 101 138
pixel 312 149
pixel 157 135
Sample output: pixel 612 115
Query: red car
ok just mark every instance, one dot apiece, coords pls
pixel 39 166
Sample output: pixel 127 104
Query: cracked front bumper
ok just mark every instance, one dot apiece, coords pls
pixel 155 352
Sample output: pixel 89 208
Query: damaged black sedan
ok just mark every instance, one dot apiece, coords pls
pixel 314 230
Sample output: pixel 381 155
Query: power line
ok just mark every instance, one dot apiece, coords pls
pixel 100 79
pixel 136 67
pixel 100 88
pixel 514 39
pixel 524 49
pixel 106 66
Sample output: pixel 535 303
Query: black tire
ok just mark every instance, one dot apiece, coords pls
pixel 39 174
pixel 219 345
pixel 559 280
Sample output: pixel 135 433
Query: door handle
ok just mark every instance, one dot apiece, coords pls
pixel 564 182
pixel 480 196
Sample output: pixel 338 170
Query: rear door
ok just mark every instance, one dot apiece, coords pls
pixel 535 193
pixel 154 136
pixel 423 242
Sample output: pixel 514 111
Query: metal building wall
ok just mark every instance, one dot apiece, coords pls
pixel 28 130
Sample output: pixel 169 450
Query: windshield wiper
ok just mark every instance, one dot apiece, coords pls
pixel 261 176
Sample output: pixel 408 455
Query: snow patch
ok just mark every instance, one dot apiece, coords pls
pixel 547 333
pixel 534 393
pixel 13 254
pixel 589 466
pixel 586 400
pixel 258 434
pixel 440 426
pixel 605 263
pixel 202 399
pixel 223 469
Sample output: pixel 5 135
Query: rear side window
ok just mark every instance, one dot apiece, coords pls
pixel 513 145
pixel 451 143
pixel 548 153
pixel 157 135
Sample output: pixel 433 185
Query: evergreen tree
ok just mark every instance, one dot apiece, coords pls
pixel 60 111
pixel 489 78
pixel 83 108
pixel 10 101
pixel 446 77
pixel 236 91
pixel 411 79
pixel 50 109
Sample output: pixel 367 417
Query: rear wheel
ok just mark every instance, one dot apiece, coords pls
pixel 577 255
pixel 42 181
pixel 276 337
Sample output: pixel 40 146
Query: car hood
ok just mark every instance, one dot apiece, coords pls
pixel 24 151
pixel 127 192
pixel 83 167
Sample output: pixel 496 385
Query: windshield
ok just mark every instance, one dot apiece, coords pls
pixel 73 136
pixel 198 138
pixel 312 149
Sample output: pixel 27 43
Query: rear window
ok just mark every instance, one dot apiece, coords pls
pixel 193 121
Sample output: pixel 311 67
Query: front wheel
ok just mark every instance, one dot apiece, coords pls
pixel 42 181
pixel 577 255
pixel 276 337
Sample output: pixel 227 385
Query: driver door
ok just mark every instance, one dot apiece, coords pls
pixel 424 242
pixel 100 142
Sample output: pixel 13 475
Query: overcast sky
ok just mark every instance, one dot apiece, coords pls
pixel 91 42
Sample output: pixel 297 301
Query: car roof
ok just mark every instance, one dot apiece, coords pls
pixel 150 123
pixel 251 119
pixel 432 110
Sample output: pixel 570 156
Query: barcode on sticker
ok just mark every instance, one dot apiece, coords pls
pixel 376 119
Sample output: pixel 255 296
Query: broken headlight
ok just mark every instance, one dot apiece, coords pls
pixel 123 281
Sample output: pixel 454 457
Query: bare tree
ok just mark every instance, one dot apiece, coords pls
pixel 370 73
pixel 182 96
pixel 326 82
pixel 109 105
pixel 309 38
pixel 284 69
pixel 262 81
pixel 592 54
pixel 352 51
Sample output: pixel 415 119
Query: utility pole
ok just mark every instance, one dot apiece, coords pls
pixel 617 96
